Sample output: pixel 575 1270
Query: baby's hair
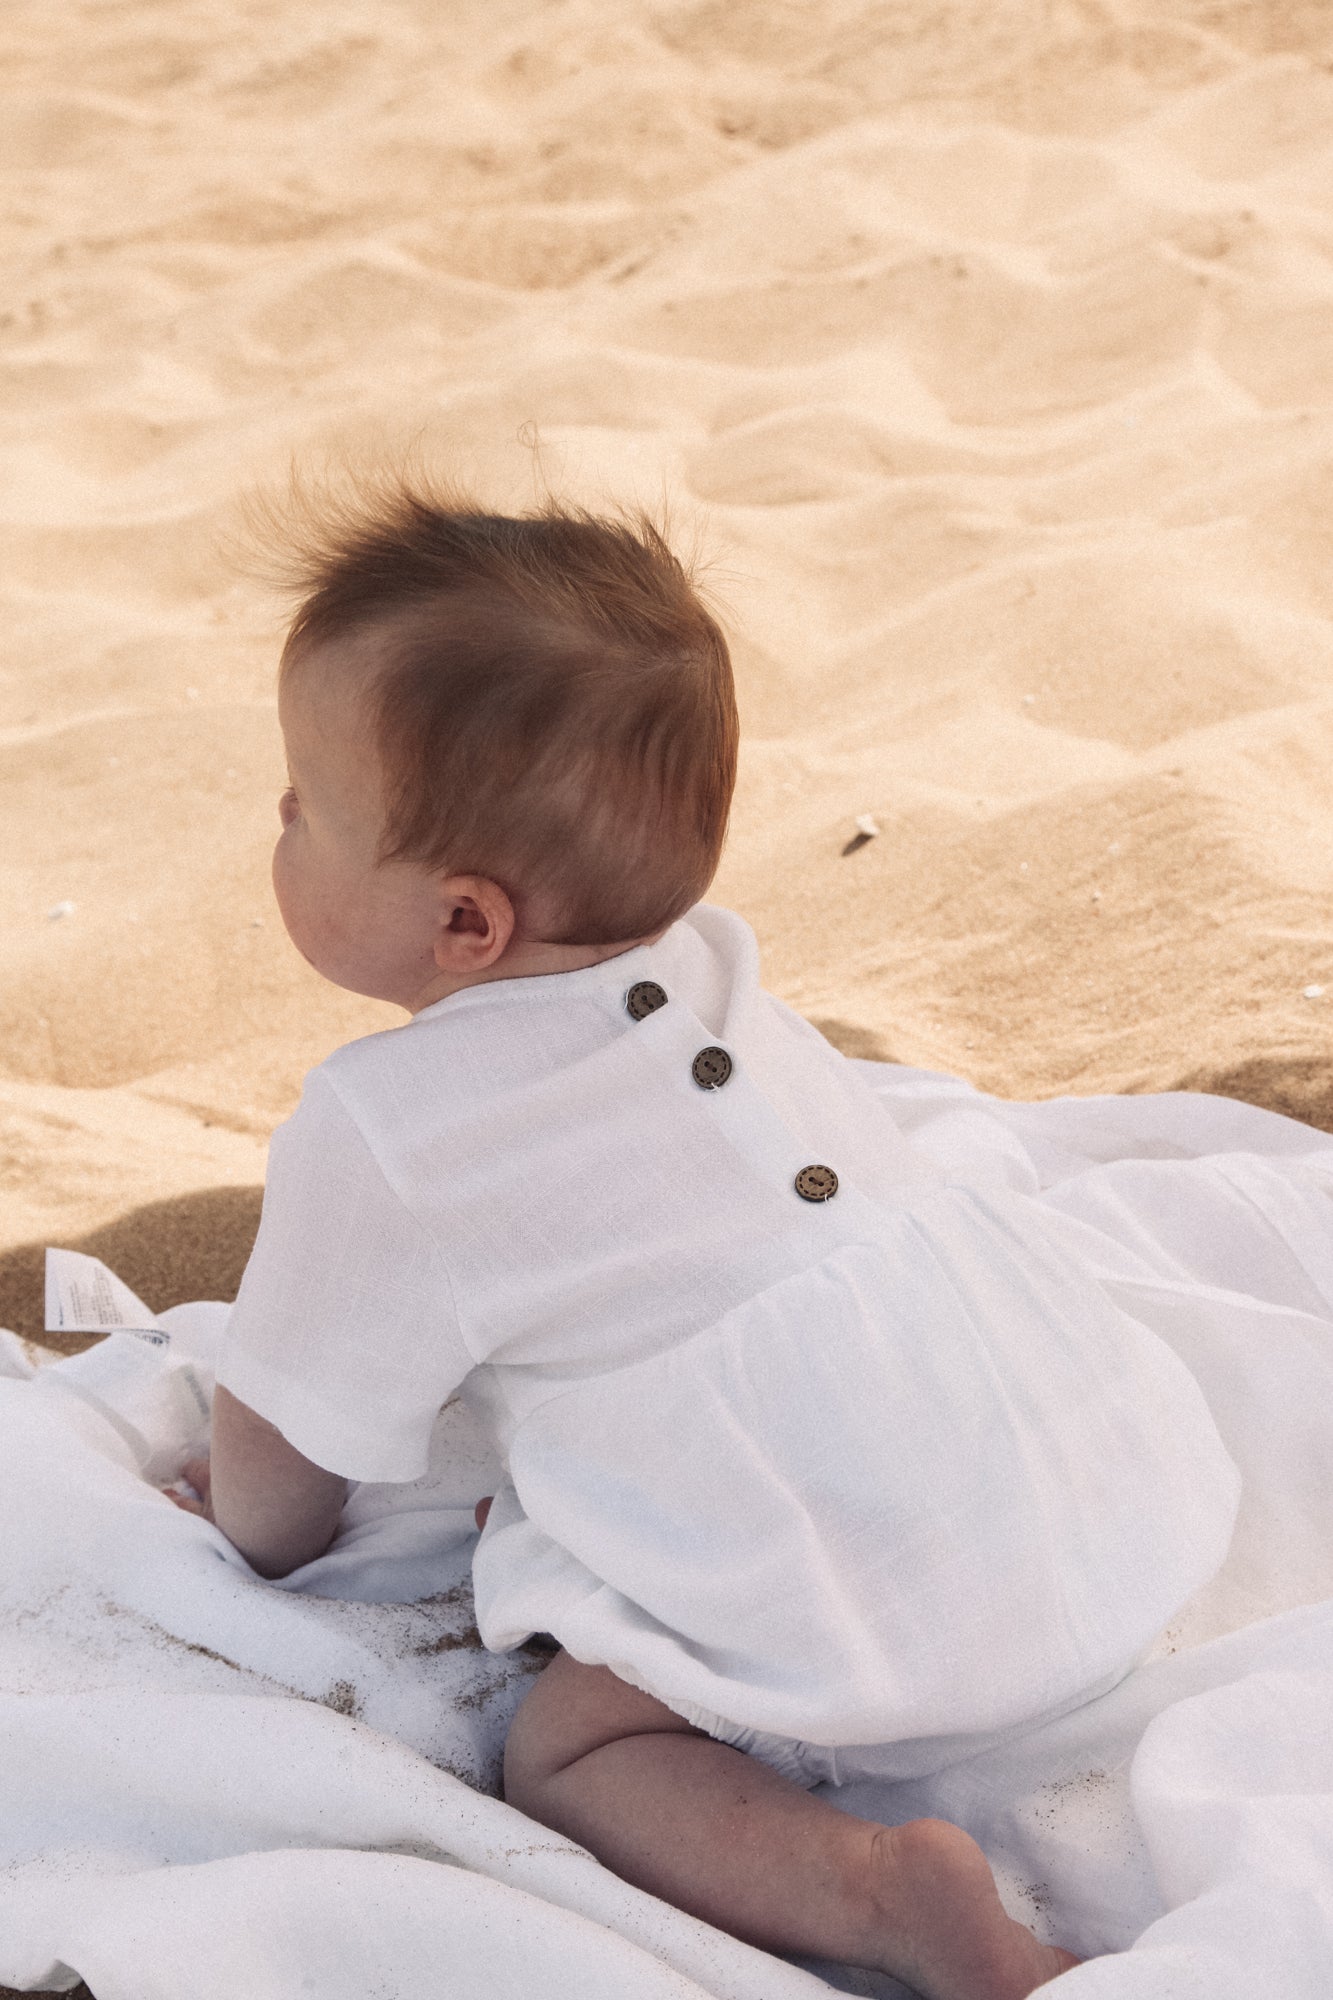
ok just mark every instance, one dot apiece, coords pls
pixel 551 701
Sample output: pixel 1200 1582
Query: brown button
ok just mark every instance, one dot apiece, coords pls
pixel 711 1068
pixel 816 1184
pixel 644 998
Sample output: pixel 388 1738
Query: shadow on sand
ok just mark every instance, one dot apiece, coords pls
pixel 191 1246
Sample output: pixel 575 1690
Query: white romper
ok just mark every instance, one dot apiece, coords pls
pixel 885 1466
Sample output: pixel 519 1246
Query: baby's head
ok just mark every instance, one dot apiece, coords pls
pixel 512 744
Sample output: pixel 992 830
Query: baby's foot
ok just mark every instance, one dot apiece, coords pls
pixel 942 1927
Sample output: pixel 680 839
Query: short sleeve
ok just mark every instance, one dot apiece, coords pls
pixel 344 1333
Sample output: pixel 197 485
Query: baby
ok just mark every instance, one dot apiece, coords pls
pixel 818 1465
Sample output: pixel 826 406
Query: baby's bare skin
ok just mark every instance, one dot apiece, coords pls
pixel 725 1838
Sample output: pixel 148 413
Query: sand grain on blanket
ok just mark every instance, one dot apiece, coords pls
pixel 987 352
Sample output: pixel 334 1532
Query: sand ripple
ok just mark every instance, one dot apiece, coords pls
pixel 988 347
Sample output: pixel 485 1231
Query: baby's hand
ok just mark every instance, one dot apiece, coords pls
pixel 195 1474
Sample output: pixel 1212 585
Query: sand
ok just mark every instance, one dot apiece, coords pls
pixel 986 350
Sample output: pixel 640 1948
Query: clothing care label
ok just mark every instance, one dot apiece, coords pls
pixel 82 1296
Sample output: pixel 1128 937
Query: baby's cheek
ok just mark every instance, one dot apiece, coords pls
pixel 279 872
pixel 295 892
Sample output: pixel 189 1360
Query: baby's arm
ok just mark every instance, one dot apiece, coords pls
pixel 278 1507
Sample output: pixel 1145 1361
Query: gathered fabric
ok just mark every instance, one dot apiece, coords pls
pixel 799 1429
pixel 182 1740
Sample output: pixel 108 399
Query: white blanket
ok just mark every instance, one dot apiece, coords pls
pixel 215 1786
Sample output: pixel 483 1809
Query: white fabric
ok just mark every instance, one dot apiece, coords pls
pixel 214 1786
pixel 810 1765
pixel 897 1466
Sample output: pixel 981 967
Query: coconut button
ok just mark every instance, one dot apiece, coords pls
pixel 711 1068
pixel 644 998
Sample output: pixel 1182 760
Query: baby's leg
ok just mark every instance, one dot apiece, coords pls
pixel 724 1837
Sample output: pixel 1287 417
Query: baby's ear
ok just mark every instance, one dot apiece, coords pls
pixel 476 924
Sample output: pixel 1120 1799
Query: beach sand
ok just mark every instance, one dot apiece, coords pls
pixel 986 350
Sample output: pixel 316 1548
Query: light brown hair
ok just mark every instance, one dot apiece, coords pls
pixel 551 701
